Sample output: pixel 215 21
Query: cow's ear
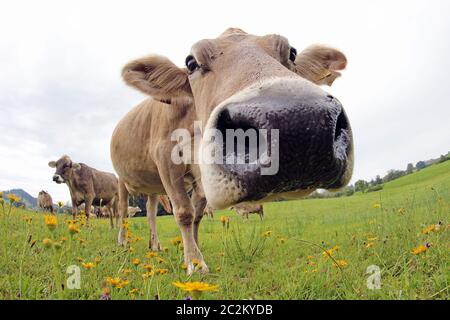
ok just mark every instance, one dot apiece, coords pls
pixel 158 77
pixel 76 165
pixel 319 64
pixel 52 164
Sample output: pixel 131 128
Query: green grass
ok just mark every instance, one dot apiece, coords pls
pixel 253 266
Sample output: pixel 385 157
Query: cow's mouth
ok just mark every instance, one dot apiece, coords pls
pixel 307 144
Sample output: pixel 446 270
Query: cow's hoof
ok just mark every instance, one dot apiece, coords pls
pixel 201 268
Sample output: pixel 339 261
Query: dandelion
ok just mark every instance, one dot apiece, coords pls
pixel 13 198
pixel 47 242
pixel 340 263
pixel 176 241
pixel 330 252
pixel 28 219
pixel 429 229
pixel 51 221
pixel 88 265
pixel 376 205
pixel 122 284
pixel 151 254
pixel 162 271
pixel 127 271
pixel 113 281
pixel 148 267
pixel 225 221
pixel 73 229
pixel 148 275
pixel 133 291
pixel 420 249
pixel 196 287
pixel 136 262
pixel 267 234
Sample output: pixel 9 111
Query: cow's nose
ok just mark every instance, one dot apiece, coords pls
pixel 56 178
pixel 314 137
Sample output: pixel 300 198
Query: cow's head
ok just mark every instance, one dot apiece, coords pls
pixel 64 169
pixel 242 81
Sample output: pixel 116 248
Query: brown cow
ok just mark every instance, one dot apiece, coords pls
pixel 236 81
pixel 45 201
pixel 209 211
pixel 86 185
pixel 244 209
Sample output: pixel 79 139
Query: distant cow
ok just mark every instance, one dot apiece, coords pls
pixel 133 210
pixel 209 211
pixel 86 185
pixel 245 209
pixel 45 201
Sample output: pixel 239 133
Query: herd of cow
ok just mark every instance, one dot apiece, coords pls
pixel 237 81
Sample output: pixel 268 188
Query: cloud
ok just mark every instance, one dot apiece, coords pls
pixel 61 92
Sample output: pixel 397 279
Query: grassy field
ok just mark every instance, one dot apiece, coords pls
pixel 281 257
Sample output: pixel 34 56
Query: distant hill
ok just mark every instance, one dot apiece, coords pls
pixel 27 199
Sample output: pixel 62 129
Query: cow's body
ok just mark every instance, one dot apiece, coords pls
pixel 44 201
pixel 87 185
pixel 236 81
pixel 245 209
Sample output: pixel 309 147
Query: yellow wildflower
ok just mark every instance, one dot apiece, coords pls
pixel 376 205
pixel 148 267
pixel 148 275
pixel 330 252
pixel 126 271
pixel 133 291
pixel 47 242
pixel 113 281
pixel 267 234
pixel 401 210
pixel 218 269
pixel 372 239
pixel 97 260
pixel 136 262
pixel 429 229
pixel 13 198
pixel 340 263
pixel 369 245
pixel 73 229
pixel 309 257
pixel 160 260
pixel 51 221
pixel 122 284
pixel 420 249
pixel 162 271
pixel 196 287
pixel 183 266
pixel 176 241
pixel 151 254
pixel 88 265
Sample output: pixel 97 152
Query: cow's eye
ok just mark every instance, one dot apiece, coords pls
pixel 292 54
pixel 191 63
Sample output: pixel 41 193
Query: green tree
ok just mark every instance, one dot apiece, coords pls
pixel 409 168
pixel 361 185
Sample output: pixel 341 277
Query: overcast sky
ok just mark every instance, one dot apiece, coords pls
pixel 61 91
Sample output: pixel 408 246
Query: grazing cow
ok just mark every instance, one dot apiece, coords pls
pixel 44 201
pixel 209 211
pixel 244 209
pixel 86 185
pixel 236 81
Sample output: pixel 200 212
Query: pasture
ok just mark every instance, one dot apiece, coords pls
pixel 281 257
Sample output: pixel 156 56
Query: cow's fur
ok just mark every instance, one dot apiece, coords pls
pixel 244 209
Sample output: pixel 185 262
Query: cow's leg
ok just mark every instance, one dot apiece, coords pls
pixel 74 209
pixel 111 221
pixel 199 203
pixel 173 183
pixel 152 210
pixel 87 205
pixel 123 212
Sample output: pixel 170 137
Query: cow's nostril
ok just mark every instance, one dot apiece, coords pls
pixel 341 125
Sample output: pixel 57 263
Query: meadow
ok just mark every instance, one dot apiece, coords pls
pixel 389 244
